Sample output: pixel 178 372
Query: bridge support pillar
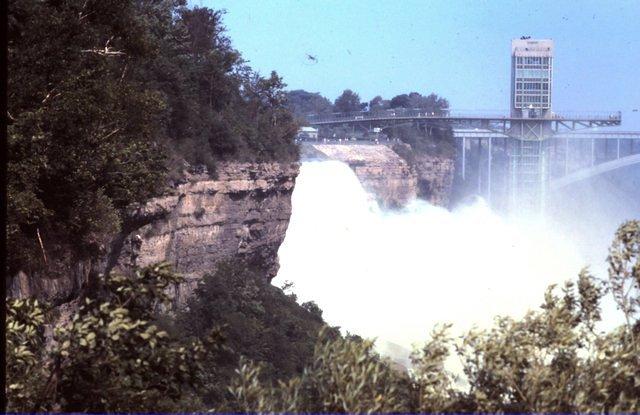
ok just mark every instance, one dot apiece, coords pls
pixel 618 148
pixel 489 160
pixel 566 156
pixel 464 158
pixel 479 168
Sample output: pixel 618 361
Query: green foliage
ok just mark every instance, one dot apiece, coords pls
pixel 433 385
pixel 303 103
pixel 378 104
pixel 346 376
pixel 81 133
pixel 531 365
pixel 24 352
pixel 313 308
pixel 258 320
pixel 218 107
pixel 347 102
pixel 400 101
pixel 431 103
pixel 430 141
pixel 109 357
pixel 553 360
pixel 624 270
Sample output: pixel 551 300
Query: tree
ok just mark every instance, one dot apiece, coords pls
pixel 215 97
pixel 430 103
pixel 302 103
pixel 79 122
pixel 113 355
pixel 347 102
pixel 260 323
pixel 377 104
pixel 346 376
pixel 400 101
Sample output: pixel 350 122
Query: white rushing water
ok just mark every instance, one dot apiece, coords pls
pixel 393 275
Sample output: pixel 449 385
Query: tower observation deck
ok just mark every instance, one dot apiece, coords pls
pixel 531 77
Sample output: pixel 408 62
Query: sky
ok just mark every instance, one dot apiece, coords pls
pixel 457 49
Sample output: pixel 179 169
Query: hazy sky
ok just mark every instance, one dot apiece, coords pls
pixel 457 49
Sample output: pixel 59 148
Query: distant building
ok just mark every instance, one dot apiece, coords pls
pixel 307 133
pixel 531 77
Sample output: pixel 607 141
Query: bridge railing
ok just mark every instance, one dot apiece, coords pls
pixel 384 114
pixel 592 115
pixel 422 113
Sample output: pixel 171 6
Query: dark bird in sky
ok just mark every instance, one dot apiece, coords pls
pixel 312 58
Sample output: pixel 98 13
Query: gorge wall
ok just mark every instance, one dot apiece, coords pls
pixel 434 176
pixel 243 213
pixel 390 178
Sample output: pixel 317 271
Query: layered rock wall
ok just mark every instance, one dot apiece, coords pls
pixel 243 213
pixel 434 178
pixel 54 290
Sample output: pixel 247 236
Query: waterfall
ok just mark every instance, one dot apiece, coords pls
pixel 392 275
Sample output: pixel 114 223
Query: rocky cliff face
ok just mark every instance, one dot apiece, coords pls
pixel 434 178
pixel 243 213
pixel 55 290
pixel 389 177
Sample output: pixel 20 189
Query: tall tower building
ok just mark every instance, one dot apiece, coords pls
pixel 531 77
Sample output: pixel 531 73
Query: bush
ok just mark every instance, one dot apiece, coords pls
pixel 110 356
pixel 346 376
pixel 258 321
pixel 431 141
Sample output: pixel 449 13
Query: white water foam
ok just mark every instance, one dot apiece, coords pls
pixel 392 275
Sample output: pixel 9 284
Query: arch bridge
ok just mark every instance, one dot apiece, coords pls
pixel 495 165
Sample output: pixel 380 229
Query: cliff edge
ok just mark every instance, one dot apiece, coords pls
pixel 243 213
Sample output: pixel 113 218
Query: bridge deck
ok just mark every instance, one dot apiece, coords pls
pixel 613 118
pixel 577 135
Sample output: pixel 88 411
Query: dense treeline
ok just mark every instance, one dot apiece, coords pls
pixel 116 355
pixel 304 103
pixel 106 100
